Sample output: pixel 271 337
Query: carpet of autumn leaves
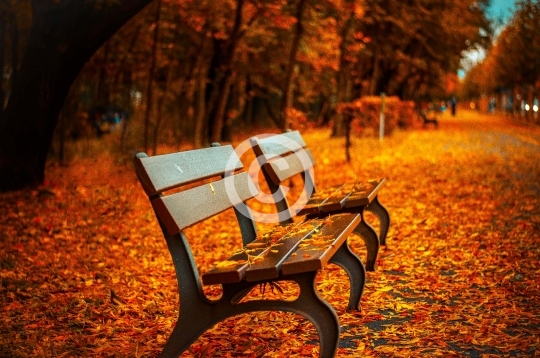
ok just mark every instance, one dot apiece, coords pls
pixel 84 270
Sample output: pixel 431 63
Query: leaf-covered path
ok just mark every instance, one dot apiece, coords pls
pixel 84 270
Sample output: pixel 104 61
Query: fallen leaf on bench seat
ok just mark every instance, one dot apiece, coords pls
pixel 230 263
pixel 256 245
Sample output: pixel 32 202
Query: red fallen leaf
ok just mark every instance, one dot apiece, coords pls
pixel 15 305
pixel 308 349
pixel 61 338
pixel 441 343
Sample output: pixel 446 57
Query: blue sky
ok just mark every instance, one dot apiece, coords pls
pixel 498 9
pixel 501 9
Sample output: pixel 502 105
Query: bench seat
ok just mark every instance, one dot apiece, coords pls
pixel 343 197
pixel 300 248
pixel 282 156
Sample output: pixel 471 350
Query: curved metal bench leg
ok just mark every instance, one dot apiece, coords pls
pixel 194 311
pixel 347 260
pixel 320 313
pixel 384 218
pixel 308 304
pixel 368 234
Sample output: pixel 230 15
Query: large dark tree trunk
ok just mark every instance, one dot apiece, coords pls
pixel 225 77
pixel 63 37
pixel 343 80
pixel 287 100
pixel 2 64
pixel 151 75
pixel 14 32
pixel 104 83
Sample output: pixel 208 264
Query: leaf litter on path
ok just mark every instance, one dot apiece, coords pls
pixel 84 270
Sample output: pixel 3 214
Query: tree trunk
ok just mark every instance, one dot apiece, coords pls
pixel 161 106
pixel 122 64
pixel 103 87
pixel 64 36
pixel 529 98
pixel 287 100
pixel 210 92
pixel 348 143
pixel 322 117
pixel 376 74
pixel 224 78
pixel 14 48
pixel 200 108
pixel 2 65
pixel 239 105
pixel 220 108
pixel 149 89
pixel 62 144
pixel 343 80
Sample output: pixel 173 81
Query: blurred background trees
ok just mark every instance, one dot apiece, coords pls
pixel 508 78
pixel 186 71
pixel 240 63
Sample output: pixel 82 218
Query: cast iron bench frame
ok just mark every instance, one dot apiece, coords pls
pixel 295 259
pixel 278 156
pixel 428 120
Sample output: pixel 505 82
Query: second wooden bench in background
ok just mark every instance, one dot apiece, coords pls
pixel 285 155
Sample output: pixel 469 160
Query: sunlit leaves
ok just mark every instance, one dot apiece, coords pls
pixel 84 269
pixel 514 58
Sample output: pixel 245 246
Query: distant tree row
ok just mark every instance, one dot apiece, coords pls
pixel 203 66
pixel 200 68
pixel 510 73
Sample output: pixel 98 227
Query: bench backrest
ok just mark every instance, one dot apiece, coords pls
pixel 281 157
pixel 179 210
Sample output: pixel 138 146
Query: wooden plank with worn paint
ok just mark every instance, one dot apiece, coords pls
pixel 365 196
pixel 315 252
pixel 168 171
pixel 268 266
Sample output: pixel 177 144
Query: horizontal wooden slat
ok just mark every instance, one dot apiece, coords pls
pixel 260 251
pixel 167 171
pixel 302 248
pixel 334 203
pixel 345 196
pixel 268 265
pixel 231 270
pixel 279 144
pixel 362 198
pixel 320 199
pixel 183 209
pixel 283 168
pixel 315 252
pixel 312 207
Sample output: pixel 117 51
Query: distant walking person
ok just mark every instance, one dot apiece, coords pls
pixel 453 104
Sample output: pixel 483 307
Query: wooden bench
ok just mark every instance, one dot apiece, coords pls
pixel 429 119
pixel 285 155
pixel 294 252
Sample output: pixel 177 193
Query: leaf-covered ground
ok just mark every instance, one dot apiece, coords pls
pixel 84 270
